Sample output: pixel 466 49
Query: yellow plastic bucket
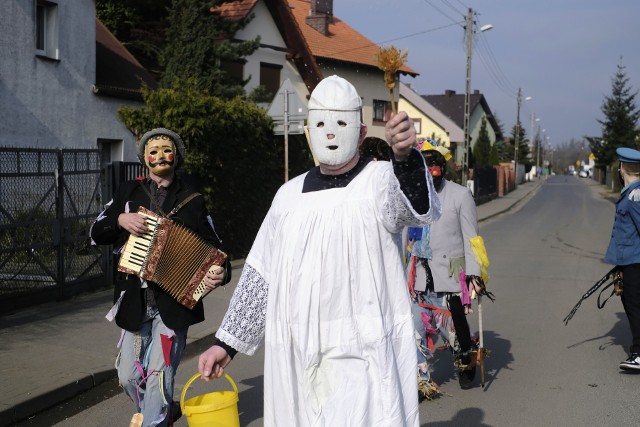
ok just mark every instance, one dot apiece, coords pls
pixel 216 409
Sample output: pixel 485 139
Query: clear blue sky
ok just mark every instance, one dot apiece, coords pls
pixel 562 53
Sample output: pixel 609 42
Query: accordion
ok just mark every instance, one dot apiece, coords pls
pixel 173 257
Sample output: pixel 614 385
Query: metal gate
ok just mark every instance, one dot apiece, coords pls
pixel 48 200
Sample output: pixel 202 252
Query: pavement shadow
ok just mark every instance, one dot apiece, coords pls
pixel 251 402
pixel 499 358
pixel 618 335
pixel 76 305
pixel 468 417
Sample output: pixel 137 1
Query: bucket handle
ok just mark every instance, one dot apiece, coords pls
pixel 195 377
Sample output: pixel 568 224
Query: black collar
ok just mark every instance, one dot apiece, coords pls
pixel 317 181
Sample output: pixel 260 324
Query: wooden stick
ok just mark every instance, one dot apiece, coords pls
pixel 481 349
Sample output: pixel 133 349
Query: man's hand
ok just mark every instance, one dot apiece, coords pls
pixel 401 135
pixel 133 223
pixel 212 362
pixel 476 285
pixel 214 278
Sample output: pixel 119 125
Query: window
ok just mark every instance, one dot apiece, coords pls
pixel 47 29
pixel 381 111
pixel 270 77
pixel 417 123
pixel 110 150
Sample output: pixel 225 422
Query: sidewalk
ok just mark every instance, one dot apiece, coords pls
pixel 55 351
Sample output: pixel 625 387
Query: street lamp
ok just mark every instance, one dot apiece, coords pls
pixel 467 94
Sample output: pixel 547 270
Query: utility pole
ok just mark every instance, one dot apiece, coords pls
pixel 467 97
pixel 517 138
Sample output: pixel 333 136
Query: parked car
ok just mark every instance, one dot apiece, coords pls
pixel 583 174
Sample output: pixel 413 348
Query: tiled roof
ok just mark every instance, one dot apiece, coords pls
pixel 118 72
pixel 236 9
pixel 342 43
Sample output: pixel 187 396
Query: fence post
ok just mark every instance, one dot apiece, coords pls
pixel 60 223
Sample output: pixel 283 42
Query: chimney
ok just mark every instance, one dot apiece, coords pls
pixel 449 92
pixel 320 15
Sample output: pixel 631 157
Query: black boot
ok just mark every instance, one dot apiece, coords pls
pixel 466 372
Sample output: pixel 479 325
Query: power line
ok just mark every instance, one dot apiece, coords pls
pixel 493 68
pixel 439 10
pixel 397 38
pixel 490 64
pixel 452 7
pixel 464 6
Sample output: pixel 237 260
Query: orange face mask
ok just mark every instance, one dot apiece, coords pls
pixel 435 171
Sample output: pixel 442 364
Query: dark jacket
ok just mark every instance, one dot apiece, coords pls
pixel 105 231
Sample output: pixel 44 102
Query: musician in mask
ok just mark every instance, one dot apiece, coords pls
pixel 154 324
pixel 624 247
pixel 323 284
pixel 440 253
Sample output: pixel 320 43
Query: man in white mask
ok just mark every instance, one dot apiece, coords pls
pixel 323 284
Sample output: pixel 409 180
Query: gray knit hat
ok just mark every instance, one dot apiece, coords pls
pixel 182 151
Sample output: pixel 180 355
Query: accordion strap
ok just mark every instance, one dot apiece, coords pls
pixel 182 203
pixel 174 210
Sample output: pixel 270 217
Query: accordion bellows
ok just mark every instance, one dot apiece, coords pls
pixel 173 257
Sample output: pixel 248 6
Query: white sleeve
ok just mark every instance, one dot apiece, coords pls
pixel 243 325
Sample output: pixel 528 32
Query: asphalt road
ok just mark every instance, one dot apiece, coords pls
pixel 544 256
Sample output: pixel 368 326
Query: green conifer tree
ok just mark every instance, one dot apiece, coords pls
pixel 199 44
pixel 620 123
pixel 482 148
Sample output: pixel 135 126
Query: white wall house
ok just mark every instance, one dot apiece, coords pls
pixel 48 81
pixel 269 65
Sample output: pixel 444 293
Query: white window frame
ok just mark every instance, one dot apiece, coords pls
pixel 46 29
pixel 417 124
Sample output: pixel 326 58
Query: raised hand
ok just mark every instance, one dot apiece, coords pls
pixel 401 135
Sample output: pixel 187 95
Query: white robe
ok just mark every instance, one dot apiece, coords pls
pixel 339 341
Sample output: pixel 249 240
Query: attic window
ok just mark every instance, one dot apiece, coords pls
pixel 47 29
pixel 270 77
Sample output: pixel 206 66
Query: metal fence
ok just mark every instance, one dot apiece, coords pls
pixel 485 182
pixel 48 201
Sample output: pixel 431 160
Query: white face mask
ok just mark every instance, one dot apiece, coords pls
pixel 334 135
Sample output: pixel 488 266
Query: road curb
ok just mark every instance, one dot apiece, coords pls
pixel 47 400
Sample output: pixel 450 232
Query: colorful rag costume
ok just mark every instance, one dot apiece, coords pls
pixel 438 281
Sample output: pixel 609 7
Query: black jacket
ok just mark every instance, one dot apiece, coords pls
pixel 105 231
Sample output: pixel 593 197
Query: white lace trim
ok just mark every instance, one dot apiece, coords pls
pixel 397 210
pixel 243 325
